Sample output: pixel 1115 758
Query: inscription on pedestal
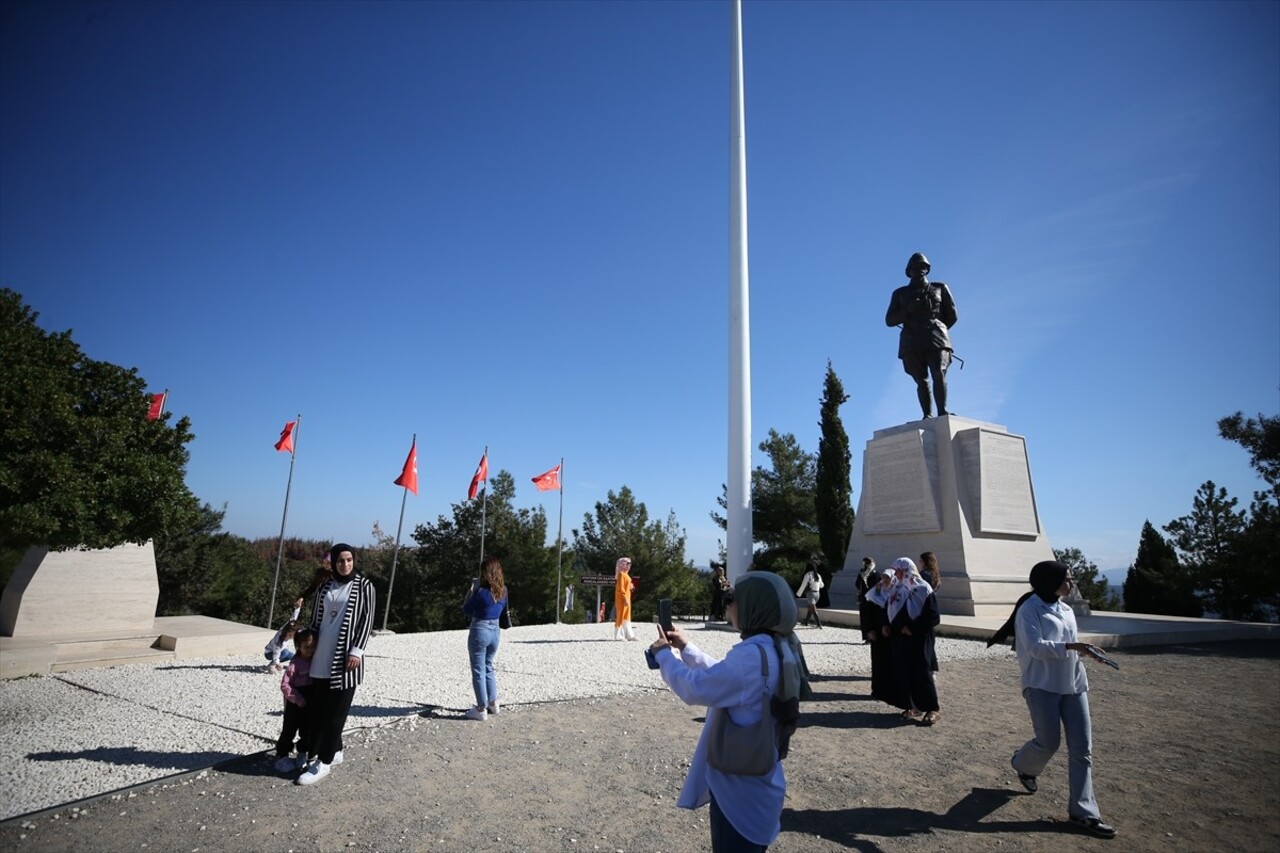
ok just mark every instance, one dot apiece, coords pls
pixel 1006 503
pixel 898 495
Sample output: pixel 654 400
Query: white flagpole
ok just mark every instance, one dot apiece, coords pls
pixel 293 456
pixel 484 502
pixel 560 541
pixel 739 532
pixel 164 400
pixel 395 557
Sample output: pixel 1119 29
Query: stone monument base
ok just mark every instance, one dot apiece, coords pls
pixel 73 592
pixel 959 488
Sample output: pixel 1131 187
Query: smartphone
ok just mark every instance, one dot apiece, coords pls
pixel 650 659
pixel 664 614
pixel 1102 656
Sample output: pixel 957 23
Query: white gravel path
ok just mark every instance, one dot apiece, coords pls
pixel 80 734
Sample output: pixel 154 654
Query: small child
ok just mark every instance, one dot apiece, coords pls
pixel 276 652
pixel 294 685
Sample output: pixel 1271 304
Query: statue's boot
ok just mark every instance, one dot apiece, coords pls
pixel 940 394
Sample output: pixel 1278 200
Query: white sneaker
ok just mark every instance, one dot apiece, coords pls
pixel 492 708
pixel 476 714
pixel 337 758
pixel 313 774
pixel 287 764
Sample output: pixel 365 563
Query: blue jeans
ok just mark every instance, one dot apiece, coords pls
pixel 1050 714
pixel 285 656
pixel 482 647
pixel 726 839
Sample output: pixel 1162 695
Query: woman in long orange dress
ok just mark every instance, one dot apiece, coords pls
pixel 622 587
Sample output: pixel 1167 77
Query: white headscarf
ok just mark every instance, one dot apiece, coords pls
pixel 911 590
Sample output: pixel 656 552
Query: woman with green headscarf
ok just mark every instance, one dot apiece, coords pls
pixel 746 810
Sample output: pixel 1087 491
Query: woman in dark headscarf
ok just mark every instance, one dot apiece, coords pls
pixel 746 810
pixel 1055 687
pixel 343 620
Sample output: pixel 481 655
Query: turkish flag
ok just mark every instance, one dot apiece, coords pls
pixel 409 476
pixel 482 476
pixel 548 482
pixel 157 406
pixel 286 438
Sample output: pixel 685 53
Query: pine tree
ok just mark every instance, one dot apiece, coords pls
pixel 1156 582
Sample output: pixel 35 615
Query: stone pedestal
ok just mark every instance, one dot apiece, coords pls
pixel 77 592
pixel 961 489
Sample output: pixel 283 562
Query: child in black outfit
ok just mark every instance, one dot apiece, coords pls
pixel 294 684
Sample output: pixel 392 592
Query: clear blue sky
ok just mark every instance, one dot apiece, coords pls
pixel 505 224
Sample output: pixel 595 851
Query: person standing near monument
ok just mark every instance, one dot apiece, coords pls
pixel 622 588
pixel 925 311
pixel 810 589
pixel 343 620
pixel 913 614
pixel 1056 689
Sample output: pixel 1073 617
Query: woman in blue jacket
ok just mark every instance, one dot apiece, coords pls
pixel 484 604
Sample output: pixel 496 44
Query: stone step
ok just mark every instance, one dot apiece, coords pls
pixel 89 654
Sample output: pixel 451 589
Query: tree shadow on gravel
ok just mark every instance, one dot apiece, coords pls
pixel 131 756
pixel 856 828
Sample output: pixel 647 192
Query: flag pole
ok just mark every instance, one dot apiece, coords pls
pixel 164 400
pixel 395 556
pixel 560 541
pixel 739 533
pixel 484 502
pixel 293 456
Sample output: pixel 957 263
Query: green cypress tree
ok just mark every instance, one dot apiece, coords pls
pixel 833 499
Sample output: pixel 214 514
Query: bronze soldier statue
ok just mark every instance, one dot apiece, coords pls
pixel 925 310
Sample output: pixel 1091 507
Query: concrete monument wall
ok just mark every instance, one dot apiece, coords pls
pixel 69 592
pixel 960 488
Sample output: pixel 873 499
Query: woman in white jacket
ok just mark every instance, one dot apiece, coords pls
pixel 1056 689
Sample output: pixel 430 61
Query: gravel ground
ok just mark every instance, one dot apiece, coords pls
pixel 79 734
pixel 1186 756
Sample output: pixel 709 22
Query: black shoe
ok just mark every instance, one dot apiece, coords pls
pixel 1028 782
pixel 1094 826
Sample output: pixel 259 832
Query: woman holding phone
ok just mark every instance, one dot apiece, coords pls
pixel 768 665
pixel 1056 689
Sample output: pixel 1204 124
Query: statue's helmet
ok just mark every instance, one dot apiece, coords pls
pixel 918 260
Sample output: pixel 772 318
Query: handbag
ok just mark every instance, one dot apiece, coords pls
pixel 744 750
pixel 504 618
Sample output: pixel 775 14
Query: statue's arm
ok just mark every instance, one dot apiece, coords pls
pixel 895 316
pixel 948 312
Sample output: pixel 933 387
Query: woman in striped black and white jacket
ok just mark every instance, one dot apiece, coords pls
pixel 343 619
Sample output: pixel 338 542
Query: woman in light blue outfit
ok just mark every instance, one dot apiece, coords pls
pixel 746 811
pixel 484 604
pixel 1056 688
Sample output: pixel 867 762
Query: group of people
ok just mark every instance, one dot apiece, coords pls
pixel 320 680
pixel 898 610
pixel 757 686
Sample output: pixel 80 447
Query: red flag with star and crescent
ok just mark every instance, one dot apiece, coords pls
pixel 482 476
pixel 409 476
pixel 549 481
